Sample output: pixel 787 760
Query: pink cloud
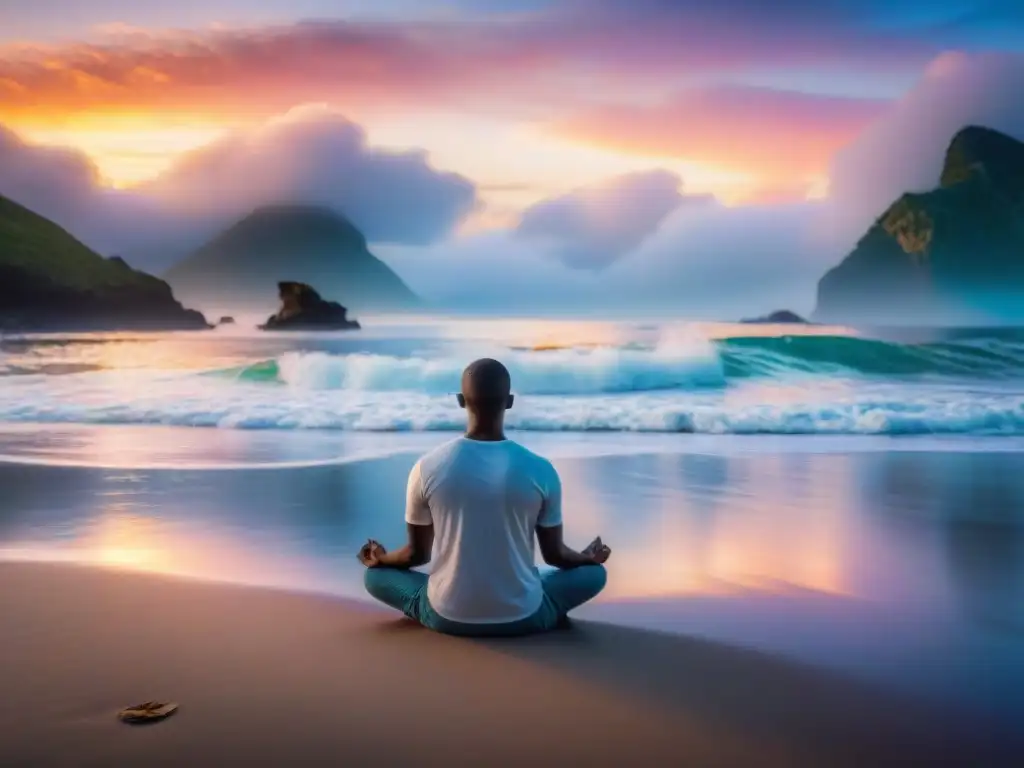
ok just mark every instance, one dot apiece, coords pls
pixel 507 63
pixel 784 137
pixel 783 194
pixel 264 70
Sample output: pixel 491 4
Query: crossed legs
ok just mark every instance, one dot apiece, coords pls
pixel 406 591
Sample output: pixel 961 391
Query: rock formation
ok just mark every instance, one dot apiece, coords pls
pixel 954 255
pixel 780 316
pixel 302 309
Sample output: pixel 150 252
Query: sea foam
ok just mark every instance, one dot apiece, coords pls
pixel 775 385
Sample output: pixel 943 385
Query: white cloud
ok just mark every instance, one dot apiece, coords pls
pixel 592 227
pixel 706 261
pixel 315 155
pixel 904 149
pixel 311 155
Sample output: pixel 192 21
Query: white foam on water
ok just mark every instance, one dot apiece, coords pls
pixel 566 371
pixel 680 384
pixel 173 399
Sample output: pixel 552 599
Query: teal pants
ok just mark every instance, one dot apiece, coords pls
pixel 406 591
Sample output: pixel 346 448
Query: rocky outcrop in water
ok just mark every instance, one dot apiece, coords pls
pixel 49 281
pixel 954 255
pixel 780 316
pixel 302 309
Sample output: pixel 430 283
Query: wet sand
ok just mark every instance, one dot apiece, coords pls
pixel 823 602
pixel 267 677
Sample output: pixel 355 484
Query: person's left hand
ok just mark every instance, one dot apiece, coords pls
pixel 370 553
pixel 598 551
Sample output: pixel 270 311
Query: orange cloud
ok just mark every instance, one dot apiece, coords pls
pixel 780 194
pixel 259 71
pixel 507 62
pixel 783 138
pixel 527 68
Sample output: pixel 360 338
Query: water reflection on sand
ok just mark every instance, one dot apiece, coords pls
pixel 937 530
pixel 899 559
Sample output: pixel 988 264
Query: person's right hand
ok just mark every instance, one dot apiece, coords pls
pixel 370 552
pixel 597 551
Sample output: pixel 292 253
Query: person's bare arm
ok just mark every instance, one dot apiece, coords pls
pixel 558 554
pixel 549 532
pixel 419 527
pixel 415 553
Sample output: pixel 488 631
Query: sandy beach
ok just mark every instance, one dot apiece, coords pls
pixel 267 677
pixel 826 604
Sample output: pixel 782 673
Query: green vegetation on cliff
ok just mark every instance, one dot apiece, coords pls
pixel 954 254
pixel 51 281
pixel 40 248
pixel 977 151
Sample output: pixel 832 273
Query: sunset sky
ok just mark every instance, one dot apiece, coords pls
pixel 744 99
pixel 533 116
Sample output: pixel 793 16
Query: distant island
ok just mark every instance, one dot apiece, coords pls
pixel 49 281
pixel 309 244
pixel 302 309
pixel 951 255
pixel 780 316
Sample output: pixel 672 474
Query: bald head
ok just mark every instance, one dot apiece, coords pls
pixel 486 387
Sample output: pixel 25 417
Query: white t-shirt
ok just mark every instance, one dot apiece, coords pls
pixel 484 499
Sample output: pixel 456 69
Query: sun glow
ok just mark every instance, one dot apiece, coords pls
pixel 128 150
pixel 131 149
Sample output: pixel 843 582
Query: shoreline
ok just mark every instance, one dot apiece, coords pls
pixel 164 447
pixel 270 677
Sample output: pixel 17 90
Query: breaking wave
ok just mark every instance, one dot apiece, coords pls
pixel 763 385
pixel 606 370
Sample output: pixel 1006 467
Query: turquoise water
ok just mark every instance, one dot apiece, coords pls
pixel 572 377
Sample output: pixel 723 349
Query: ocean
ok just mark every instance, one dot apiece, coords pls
pixel 570 377
pixel 848 499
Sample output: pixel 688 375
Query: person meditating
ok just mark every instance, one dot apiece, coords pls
pixel 473 506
